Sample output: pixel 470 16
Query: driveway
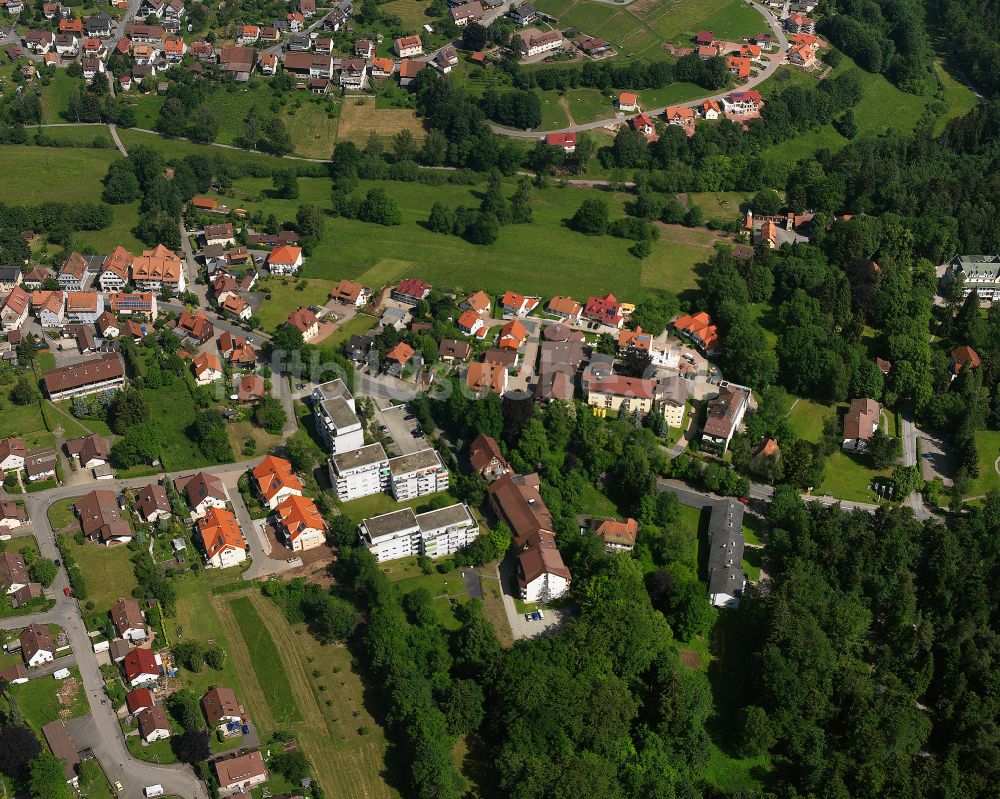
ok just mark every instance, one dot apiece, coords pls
pixel 520 627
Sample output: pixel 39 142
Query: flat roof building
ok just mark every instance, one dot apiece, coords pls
pixel 337 421
pixel 360 472
pixel 402 533
pixel 417 474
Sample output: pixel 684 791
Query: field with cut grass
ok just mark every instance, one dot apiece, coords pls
pixel 988 447
pixel 720 204
pixel 360 117
pixel 313 127
pixel 106 571
pixel 55 96
pixel 807 417
pixel 38 174
pixel 355 326
pixel 286 296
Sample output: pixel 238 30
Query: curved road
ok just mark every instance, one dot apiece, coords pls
pixel 772 65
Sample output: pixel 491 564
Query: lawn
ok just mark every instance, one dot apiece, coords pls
pixel 107 571
pixel 175 411
pixel 553 111
pixel 733 21
pixel 847 477
pixel 586 105
pixel 691 521
pixel 720 204
pixel 266 662
pixel 669 95
pixel 55 96
pixel 593 502
pixel 807 417
pixel 355 326
pixel 988 446
pixel 37 174
pixel 24 421
pixel 179 148
pixel 412 13
pixel 40 702
pixel 61 514
pixel 286 296
pixel 313 127
pixel 377 504
pixel 956 95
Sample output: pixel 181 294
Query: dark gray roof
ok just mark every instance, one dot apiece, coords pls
pixel 725 535
pixel 9 273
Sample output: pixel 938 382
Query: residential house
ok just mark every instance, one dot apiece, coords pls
pixel 301 523
pixel 565 308
pixel 446 58
pixel 535 42
pixel 204 491
pixel 351 293
pixel 701 331
pixel 101 518
pixel 613 394
pixel 237 306
pixel 523 13
pixel 14 310
pixel 738 66
pixel 285 260
pixel 13 572
pixel 74 273
pixel 300 42
pixel 249 34
pixel 617 536
pixel 397 358
pixel 12 454
pixel 485 377
pixel 565 141
pixel 628 102
pixel 353 73
pixel 138 699
pixel 306 321
pixel 562 354
pixel 135 303
pixel 195 326
pixel 594 46
pixel 360 472
pixel 67 44
pixel 128 621
pixel 704 37
pixel 411 291
pixel 240 773
pixel 604 310
pixel 723 417
pixel 275 481
pixel 478 303
pixel 964 357
pixel 452 349
pixel 512 335
pixel 157 269
pixel 486 458
pixel 40 464
pixel 152 504
pixel 10 278
pixel 336 419
pixel 408 46
pixel 726 578
pixel 799 23
pixel 87 377
pixel 382 67
pixel 221 539
pixel 141 667
pixel 39 41
pixel 268 63
pixel 37 646
pixel 417 474
pixel 12 514
pixel 219 234
pixel 743 103
pixel 364 48
pixel 672 397
pixel 860 423
pixel 467 13
pixel 515 304
pixel 207 369
pixel 802 55
pixel 238 60
pixel 979 273
pixel 408 70
pixel 403 533
pixel 394 318
pixel 89 451
pixel 63 748
pixel 222 710
pixel 35 277
pixel 643 123
pixel 83 307
pixel 680 115
pixel 250 388
pixel 237 350
pixel 153 724
pixel 114 273
pixel 471 324
pixel 709 109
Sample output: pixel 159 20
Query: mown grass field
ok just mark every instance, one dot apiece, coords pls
pixel 107 572
pixel 988 447
pixel 807 418
pixel 55 96
pixel 39 701
pixel 360 117
pixel 287 297
pixel 38 174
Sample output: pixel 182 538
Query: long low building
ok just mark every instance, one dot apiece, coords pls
pixel 87 377
pixel 726 578
pixel 403 533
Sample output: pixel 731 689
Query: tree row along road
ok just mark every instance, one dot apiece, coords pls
pixel 772 65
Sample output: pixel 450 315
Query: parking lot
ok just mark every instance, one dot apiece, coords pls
pixel 400 429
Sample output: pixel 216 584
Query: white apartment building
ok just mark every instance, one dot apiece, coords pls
pixel 402 533
pixel 360 472
pixel 337 421
pixel 417 474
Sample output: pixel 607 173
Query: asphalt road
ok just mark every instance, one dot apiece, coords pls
pixel 773 63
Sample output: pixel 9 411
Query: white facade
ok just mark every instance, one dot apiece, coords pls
pixel 228 556
pixel 40 657
pixel 546 586
pixel 435 534
pixel 417 474
pixel 359 473
pixel 337 422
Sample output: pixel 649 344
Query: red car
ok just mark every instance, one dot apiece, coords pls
pixel 744 500
pixel 67 591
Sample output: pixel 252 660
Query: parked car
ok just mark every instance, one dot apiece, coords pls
pixel 541 615
pixel 528 617
pixel 536 616
pixel 67 591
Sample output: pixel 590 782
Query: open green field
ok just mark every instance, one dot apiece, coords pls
pixel 355 326
pixel 669 95
pixel 720 204
pixel 24 421
pixel 988 447
pixel 55 96
pixel 956 95
pixel 179 148
pixel 732 21
pixel 573 263
pixel 806 419
pixel 848 477
pixel 554 114
pixel 410 12
pixel 38 174
pixel 174 410
pixel 313 127
pixel 266 662
pixel 882 106
pixel 40 701
pixel 287 297
pixel 107 572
